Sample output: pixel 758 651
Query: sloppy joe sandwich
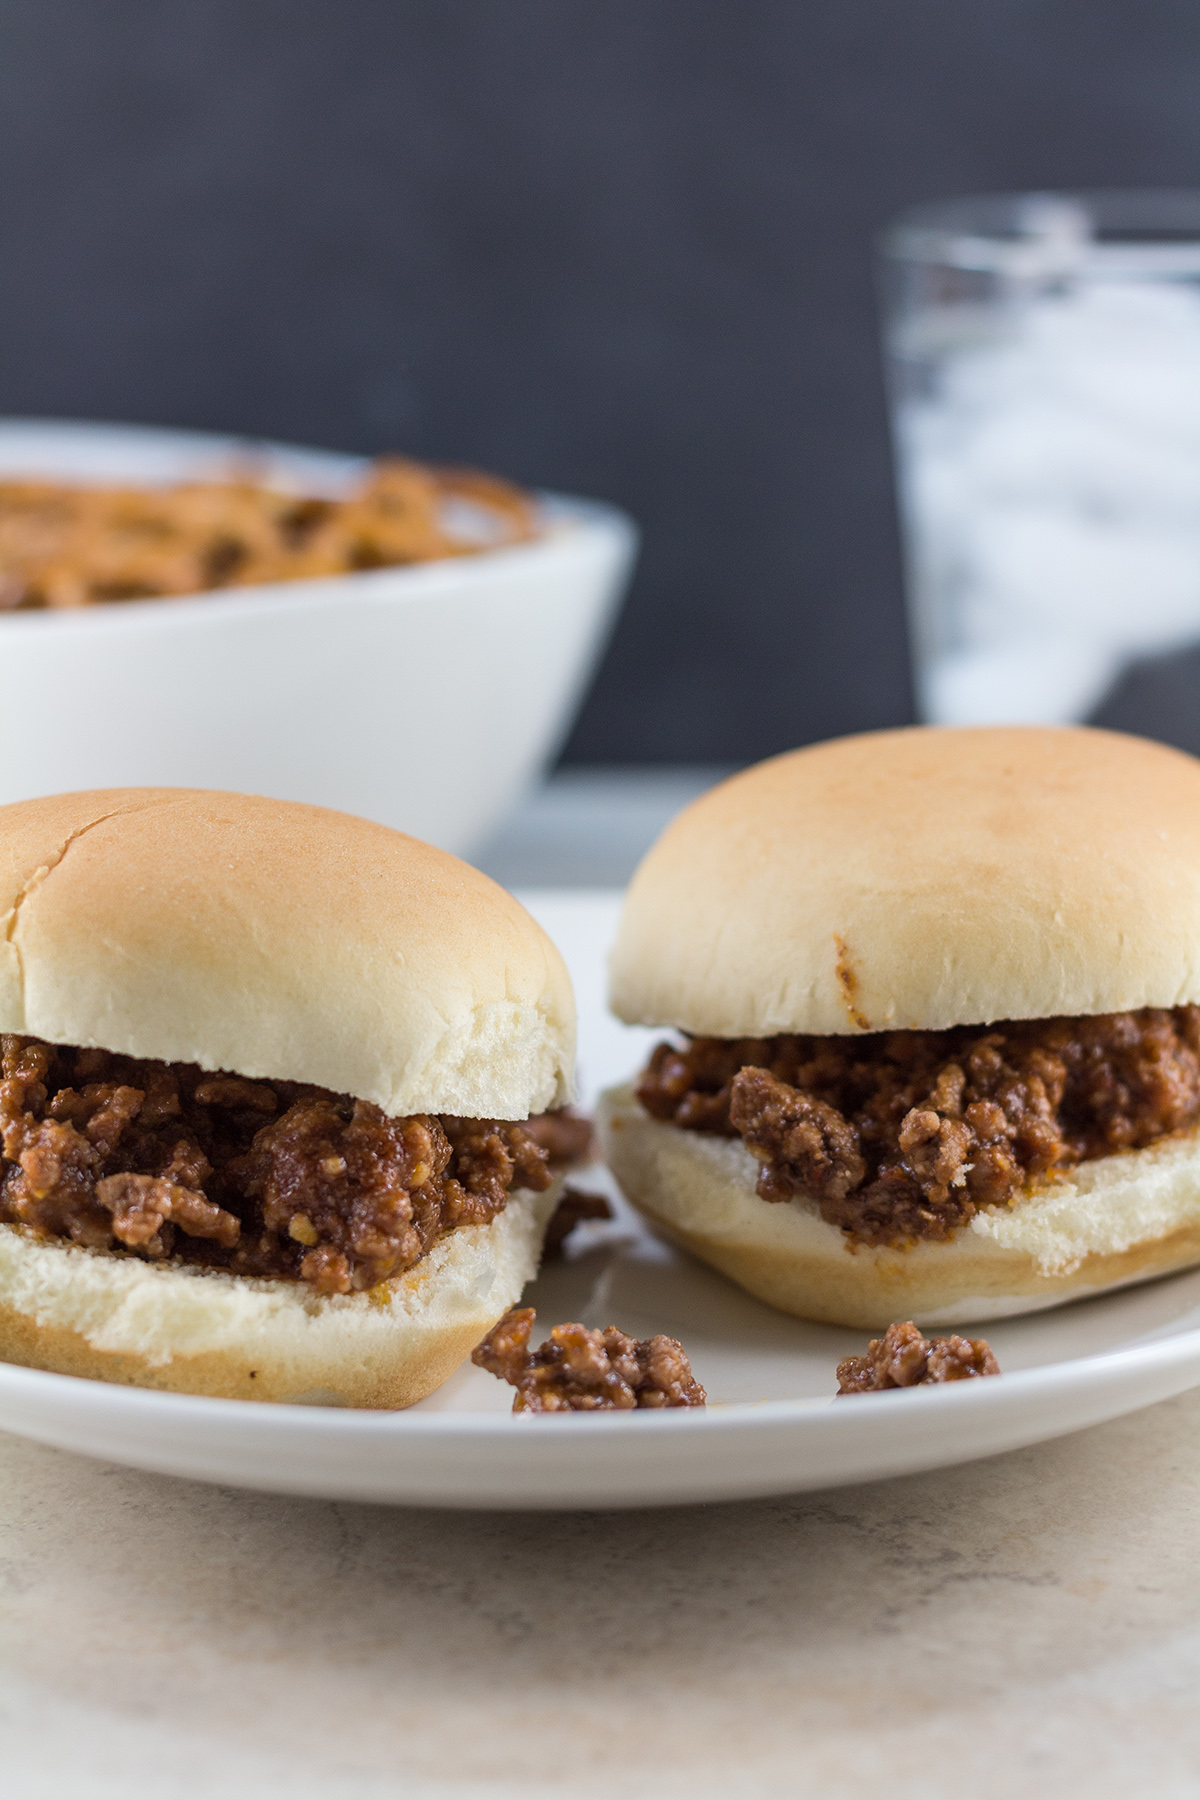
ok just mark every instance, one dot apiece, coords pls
pixel 934 998
pixel 265 1069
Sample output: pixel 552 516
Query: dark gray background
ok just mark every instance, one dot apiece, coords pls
pixel 620 248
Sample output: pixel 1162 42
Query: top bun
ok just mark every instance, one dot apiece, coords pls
pixel 921 878
pixel 281 941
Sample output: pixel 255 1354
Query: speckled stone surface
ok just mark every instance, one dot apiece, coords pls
pixel 1027 1625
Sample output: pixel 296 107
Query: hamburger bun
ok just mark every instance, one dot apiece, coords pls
pixel 203 1331
pixel 1107 1223
pixel 919 879
pixel 288 943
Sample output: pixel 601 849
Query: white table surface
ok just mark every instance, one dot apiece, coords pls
pixel 1024 1626
pixel 589 827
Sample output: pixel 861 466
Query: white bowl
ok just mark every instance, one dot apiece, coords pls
pixel 425 697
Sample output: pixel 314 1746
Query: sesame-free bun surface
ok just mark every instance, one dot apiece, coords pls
pixel 281 941
pixel 925 878
pixel 1104 1224
pixel 198 1331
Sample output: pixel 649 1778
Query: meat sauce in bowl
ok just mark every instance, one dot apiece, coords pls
pixel 67 544
pixel 391 640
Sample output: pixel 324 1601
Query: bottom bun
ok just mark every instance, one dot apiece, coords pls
pixel 196 1331
pixel 1117 1220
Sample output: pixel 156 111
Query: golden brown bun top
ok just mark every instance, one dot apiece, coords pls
pixel 928 878
pixel 280 941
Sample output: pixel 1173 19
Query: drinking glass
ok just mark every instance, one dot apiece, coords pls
pixel 1043 361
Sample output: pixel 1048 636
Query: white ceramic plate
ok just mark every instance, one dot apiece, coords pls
pixel 771 1427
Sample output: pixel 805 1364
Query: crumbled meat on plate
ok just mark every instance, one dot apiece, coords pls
pixel 577 1370
pixel 266 1178
pixel 574 1207
pixel 907 1134
pixel 903 1358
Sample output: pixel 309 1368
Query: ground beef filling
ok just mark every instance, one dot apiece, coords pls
pixel 257 1177
pixel 565 1136
pixel 906 1134
pixel 573 1209
pixel 577 1370
pixel 903 1358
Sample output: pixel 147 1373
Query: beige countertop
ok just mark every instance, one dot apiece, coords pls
pixel 1026 1625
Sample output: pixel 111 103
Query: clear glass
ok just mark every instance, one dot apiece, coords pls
pixel 1043 358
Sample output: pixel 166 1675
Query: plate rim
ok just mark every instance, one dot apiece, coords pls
pixel 1069 1374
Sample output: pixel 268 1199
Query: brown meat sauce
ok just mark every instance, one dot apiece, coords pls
pixel 573 1209
pixel 266 1178
pixel 577 1370
pixel 907 1134
pixel 903 1358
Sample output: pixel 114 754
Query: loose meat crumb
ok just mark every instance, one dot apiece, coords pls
pixel 903 1358
pixel 564 1135
pixel 804 1145
pixel 266 1178
pixel 577 1370
pixel 907 1134
pixel 573 1208
pixel 140 1203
